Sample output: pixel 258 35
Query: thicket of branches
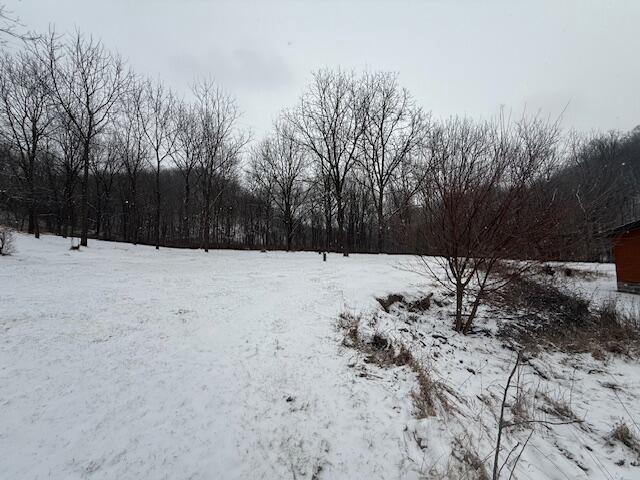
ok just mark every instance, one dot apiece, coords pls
pixel 88 148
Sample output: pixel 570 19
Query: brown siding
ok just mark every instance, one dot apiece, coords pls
pixel 626 251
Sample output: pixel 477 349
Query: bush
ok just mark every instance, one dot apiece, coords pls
pixel 545 315
pixel 6 240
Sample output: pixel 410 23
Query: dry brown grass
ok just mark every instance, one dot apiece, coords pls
pixel 380 351
pixel 621 433
pixel 424 398
pixel 473 466
pixel 420 305
pixel 521 406
pixel 558 407
pixel 389 300
pixel 348 323
pixel 545 316
pixel 564 271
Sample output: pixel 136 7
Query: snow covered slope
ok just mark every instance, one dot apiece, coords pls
pixel 119 361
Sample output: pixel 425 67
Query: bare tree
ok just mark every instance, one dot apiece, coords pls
pixel 10 27
pixel 321 198
pixel 25 113
pixel 128 136
pixel 484 203
pixel 86 81
pixel 279 166
pixel 593 192
pixel 158 116
pixel 217 114
pixel 403 188
pixel 188 150
pixel 69 163
pixel 329 123
pixel 105 166
pixel 393 129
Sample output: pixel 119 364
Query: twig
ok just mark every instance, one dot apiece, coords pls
pixel 501 420
pixel 515 463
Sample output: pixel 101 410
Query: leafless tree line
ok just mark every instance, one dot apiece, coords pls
pixel 89 148
pixel 74 117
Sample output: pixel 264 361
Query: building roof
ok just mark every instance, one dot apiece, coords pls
pixel 627 227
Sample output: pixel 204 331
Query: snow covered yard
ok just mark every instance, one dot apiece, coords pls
pixel 569 415
pixel 119 361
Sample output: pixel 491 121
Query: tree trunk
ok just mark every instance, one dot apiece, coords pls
pixel 380 215
pixel 85 196
pixel 37 224
pixel 207 227
pixel 476 303
pixel 327 217
pixel 185 221
pixel 472 315
pixel 341 236
pixel 98 211
pixel 125 221
pixel 288 226
pixel 132 208
pixel 459 299
pixel 157 205
pixel 32 220
pixel 33 214
pixel 289 235
pixel 207 218
pixel 34 228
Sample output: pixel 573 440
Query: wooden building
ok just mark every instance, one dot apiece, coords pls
pixel 625 241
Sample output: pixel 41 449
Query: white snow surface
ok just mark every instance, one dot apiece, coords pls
pixel 120 361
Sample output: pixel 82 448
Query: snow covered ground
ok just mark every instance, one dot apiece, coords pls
pixel 119 361
pixel 566 405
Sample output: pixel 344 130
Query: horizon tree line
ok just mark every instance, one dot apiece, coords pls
pixel 91 149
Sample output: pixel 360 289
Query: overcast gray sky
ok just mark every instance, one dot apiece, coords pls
pixel 456 57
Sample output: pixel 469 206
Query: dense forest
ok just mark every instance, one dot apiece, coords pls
pixel 90 149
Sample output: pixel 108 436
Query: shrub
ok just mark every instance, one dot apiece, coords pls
pixel 546 315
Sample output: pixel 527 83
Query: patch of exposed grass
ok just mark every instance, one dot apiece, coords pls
pixel 564 271
pixel 547 316
pixel 380 351
pixel 419 305
pixel 520 408
pixel 349 323
pixel 621 433
pixel 425 397
pixel 473 466
pixel 558 407
pixel 389 300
